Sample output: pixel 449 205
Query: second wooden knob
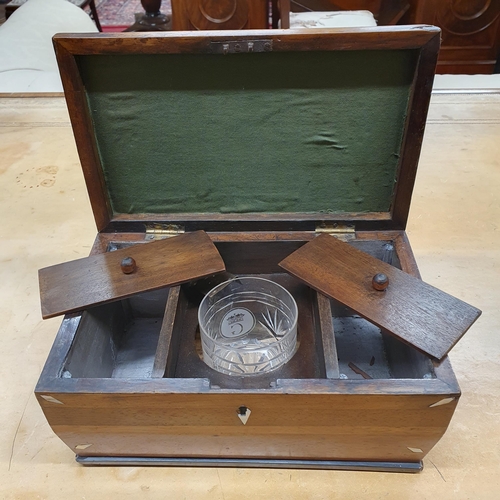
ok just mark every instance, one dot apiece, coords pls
pixel 380 281
pixel 128 265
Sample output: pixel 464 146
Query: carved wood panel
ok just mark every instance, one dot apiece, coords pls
pixel 470 32
pixel 219 14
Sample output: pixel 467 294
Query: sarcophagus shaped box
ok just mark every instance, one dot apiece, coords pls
pixel 296 153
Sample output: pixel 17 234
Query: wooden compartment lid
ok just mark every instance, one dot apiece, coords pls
pixel 406 307
pixel 102 278
pixel 250 130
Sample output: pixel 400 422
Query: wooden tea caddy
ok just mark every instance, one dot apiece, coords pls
pixel 265 140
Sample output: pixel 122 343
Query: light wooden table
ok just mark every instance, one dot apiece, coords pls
pixel 454 228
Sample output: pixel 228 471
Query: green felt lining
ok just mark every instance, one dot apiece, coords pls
pixel 271 132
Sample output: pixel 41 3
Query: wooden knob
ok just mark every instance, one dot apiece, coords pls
pixel 380 281
pixel 128 265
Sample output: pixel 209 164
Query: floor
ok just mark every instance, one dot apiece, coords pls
pixel 455 232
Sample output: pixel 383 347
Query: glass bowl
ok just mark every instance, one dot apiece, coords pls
pixel 248 326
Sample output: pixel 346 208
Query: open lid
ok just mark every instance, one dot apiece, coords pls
pixel 102 278
pixel 250 130
pixel 404 306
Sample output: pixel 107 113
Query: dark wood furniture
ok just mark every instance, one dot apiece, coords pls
pixel 386 12
pixel 124 382
pixel 244 14
pixel 219 14
pixel 470 32
pixel 13 5
pixel 153 19
pixel 470 28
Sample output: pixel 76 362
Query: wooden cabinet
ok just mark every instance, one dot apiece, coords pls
pixel 470 28
pixel 219 14
pixel 470 32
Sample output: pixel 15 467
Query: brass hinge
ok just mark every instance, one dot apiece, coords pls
pixel 344 232
pixel 161 231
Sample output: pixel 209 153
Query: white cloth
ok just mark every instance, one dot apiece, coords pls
pixel 27 58
pixel 334 19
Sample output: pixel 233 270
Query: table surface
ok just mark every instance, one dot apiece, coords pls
pixel 454 230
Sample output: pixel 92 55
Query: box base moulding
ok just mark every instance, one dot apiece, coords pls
pixel 255 463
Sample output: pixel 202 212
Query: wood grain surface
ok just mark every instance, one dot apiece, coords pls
pixel 219 15
pixel 322 426
pixel 415 312
pixel 470 33
pixel 382 37
pixel 98 279
pixel 328 337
